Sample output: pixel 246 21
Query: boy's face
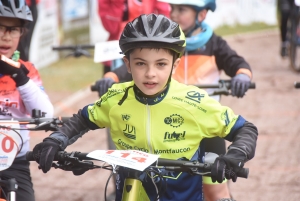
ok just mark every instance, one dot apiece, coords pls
pixel 8 44
pixel 185 16
pixel 150 68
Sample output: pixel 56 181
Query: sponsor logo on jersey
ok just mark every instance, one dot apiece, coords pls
pixel 175 120
pixel 190 103
pixel 171 151
pixel 8 103
pixel 174 136
pixel 225 118
pixel 126 117
pixel 128 146
pixel 194 96
pixel 129 132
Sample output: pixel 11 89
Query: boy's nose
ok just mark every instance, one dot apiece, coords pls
pixel 150 72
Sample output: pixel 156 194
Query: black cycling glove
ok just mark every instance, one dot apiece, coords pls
pixel 103 85
pixel 19 75
pixel 227 166
pixel 240 84
pixel 45 151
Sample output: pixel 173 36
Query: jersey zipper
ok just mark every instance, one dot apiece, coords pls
pixel 148 127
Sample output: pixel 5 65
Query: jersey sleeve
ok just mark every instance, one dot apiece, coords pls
pixel 227 59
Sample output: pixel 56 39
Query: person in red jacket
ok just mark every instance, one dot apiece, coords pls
pixel 21 90
pixel 115 14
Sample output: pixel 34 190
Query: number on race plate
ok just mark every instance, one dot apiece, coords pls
pixel 10 143
pixel 133 159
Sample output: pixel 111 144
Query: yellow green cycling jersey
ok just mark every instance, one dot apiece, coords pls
pixel 171 125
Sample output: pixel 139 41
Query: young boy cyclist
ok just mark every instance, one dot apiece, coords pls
pixel 153 45
pixel 205 56
pixel 21 89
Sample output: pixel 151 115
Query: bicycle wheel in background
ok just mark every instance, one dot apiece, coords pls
pixel 294 38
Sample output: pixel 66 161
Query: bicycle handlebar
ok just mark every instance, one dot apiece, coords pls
pixel 222 87
pixel 42 123
pixel 221 84
pixel 171 165
pixel 73 47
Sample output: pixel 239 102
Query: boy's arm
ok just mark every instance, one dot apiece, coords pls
pixel 228 60
pixel 74 128
pixel 234 66
pixel 239 152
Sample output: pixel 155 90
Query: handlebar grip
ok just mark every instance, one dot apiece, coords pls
pixel 252 85
pixel 59 156
pixel 29 156
pixel 244 173
pixel 297 85
pixel 93 88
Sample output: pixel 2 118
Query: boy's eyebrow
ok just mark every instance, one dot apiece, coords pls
pixel 162 59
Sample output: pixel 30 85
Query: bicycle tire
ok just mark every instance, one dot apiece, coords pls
pixel 294 47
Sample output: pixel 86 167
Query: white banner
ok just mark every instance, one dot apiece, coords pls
pixel 45 35
pixel 232 12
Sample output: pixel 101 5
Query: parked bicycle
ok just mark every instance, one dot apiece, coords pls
pixel 135 163
pixel 11 143
pixel 294 37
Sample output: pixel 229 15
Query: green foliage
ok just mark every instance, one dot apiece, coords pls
pixel 230 30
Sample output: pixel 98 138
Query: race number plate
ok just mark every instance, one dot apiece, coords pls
pixel 133 159
pixel 10 143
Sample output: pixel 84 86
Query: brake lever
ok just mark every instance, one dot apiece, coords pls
pixel 223 90
pixel 46 126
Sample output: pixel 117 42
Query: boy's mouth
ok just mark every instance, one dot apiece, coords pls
pixel 4 49
pixel 150 84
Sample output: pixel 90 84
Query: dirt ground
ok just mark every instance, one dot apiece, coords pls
pixel 272 107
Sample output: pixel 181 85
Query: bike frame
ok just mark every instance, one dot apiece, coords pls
pixel 133 190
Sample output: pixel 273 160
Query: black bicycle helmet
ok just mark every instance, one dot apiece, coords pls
pixel 152 31
pixel 15 9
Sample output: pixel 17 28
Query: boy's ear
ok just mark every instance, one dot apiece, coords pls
pixel 126 61
pixel 176 64
pixel 202 15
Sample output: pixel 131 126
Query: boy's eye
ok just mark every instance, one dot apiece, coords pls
pixel 161 64
pixel 139 63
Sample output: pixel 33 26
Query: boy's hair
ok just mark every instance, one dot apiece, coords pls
pixel 152 31
pixel 15 9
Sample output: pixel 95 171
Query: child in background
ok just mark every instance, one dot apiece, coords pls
pixel 21 88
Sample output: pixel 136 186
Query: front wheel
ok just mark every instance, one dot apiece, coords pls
pixel 294 49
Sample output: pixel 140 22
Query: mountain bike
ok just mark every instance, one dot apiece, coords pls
pixel 293 35
pixel 11 143
pixel 134 162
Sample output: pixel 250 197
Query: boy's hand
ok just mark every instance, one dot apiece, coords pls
pixel 18 74
pixel 227 166
pixel 240 84
pixel 45 151
pixel 103 85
